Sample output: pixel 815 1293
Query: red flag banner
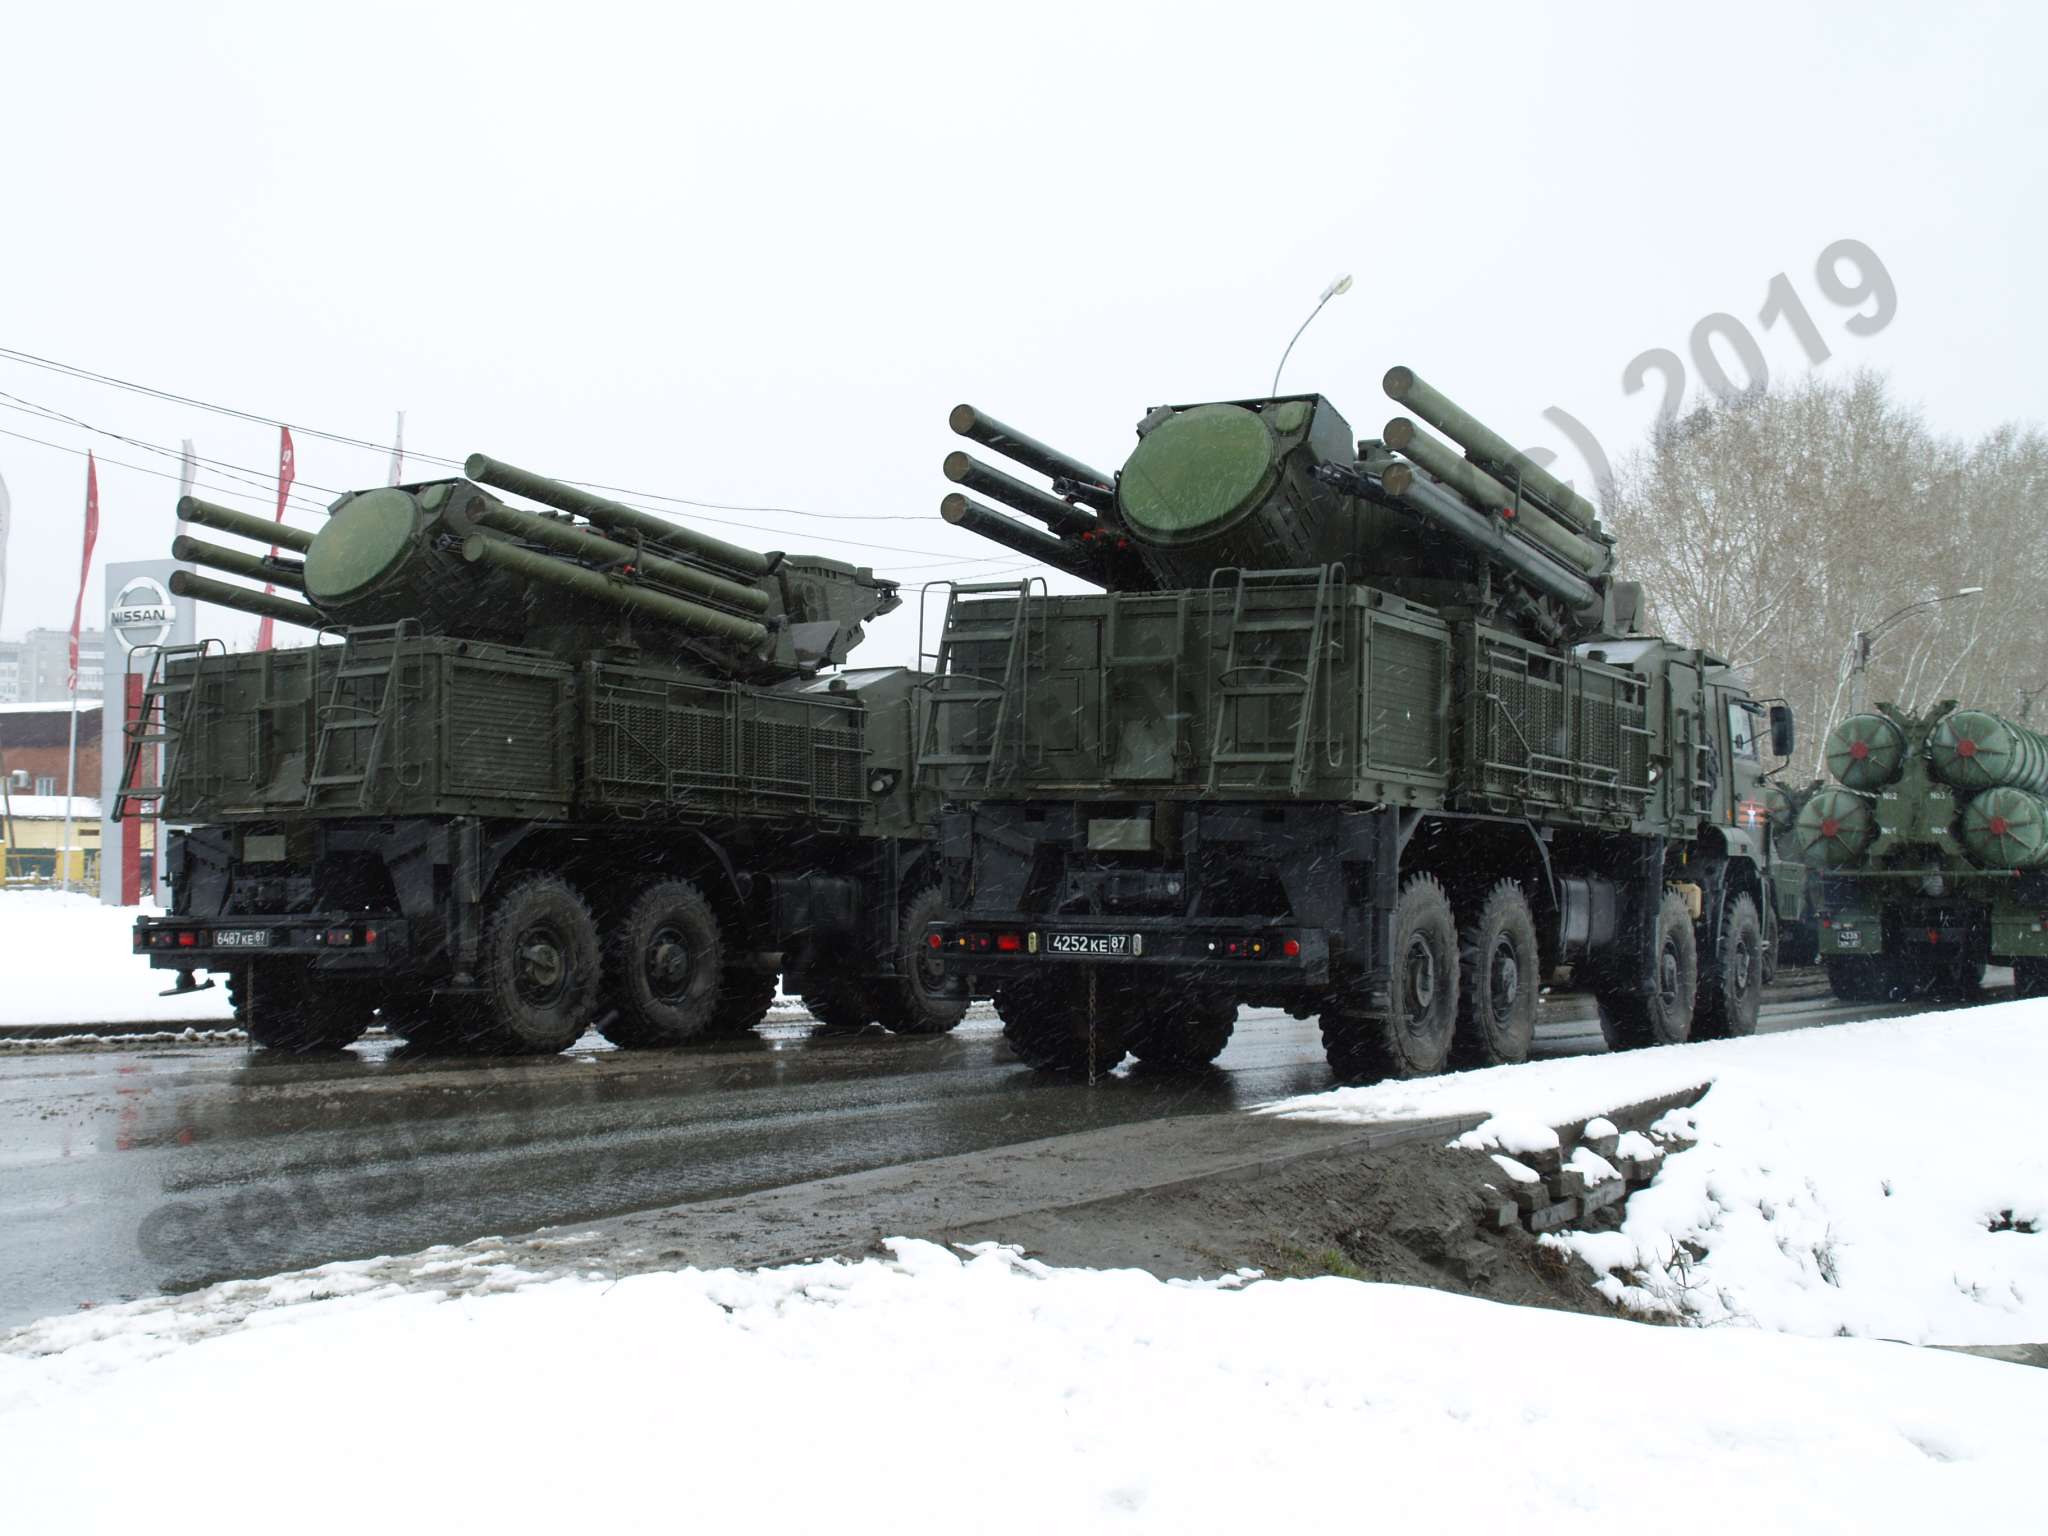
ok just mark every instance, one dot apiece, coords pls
pixel 285 475
pixel 92 536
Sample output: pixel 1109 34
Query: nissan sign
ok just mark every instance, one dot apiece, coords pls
pixel 142 614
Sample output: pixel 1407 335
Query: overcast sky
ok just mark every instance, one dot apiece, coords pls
pixel 753 255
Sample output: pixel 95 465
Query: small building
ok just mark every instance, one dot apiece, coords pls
pixel 35 740
pixel 32 834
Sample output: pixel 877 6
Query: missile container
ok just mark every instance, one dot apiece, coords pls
pixel 1931 854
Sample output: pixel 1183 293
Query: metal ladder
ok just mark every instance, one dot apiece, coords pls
pixel 1295 674
pixel 341 720
pixel 1007 691
pixel 153 727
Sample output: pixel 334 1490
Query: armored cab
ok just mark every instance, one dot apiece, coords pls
pixel 548 766
pixel 1359 728
pixel 1933 852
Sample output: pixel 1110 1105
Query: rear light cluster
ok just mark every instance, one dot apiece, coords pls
pixel 1255 946
pixel 985 943
pixel 171 938
pixel 349 938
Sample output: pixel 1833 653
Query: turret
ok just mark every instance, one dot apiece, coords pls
pixel 589 573
pixel 1280 483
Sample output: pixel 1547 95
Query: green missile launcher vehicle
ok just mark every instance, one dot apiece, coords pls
pixel 1932 853
pixel 545 768
pixel 1364 730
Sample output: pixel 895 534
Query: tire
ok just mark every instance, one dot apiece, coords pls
pixel 845 1008
pixel 284 1010
pixel 913 1002
pixel 666 968
pixel 1500 982
pixel 1413 1038
pixel 2030 977
pixel 1959 981
pixel 1182 1035
pixel 1731 988
pixel 1630 1021
pixel 742 1004
pixel 538 968
pixel 1859 978
pixel 1048 1027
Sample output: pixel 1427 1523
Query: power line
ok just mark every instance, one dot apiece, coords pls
pixel 72 370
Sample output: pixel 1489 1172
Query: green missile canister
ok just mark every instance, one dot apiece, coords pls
pixel 1975 749
pixel 1865 751
pixel 2007 828
pixel 1837 826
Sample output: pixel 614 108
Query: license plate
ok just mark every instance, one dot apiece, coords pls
pixel 1089 943
pixel 241 938
pixel 1848 938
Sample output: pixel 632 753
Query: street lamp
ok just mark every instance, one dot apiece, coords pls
pixel 1337 286
pixel 1864 637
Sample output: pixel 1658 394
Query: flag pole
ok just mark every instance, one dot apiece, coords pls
pixel 70 783
pixel 92 533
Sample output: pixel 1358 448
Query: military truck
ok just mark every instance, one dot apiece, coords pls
pixel 1363 730
pixel 544 768
pixel 1795 887
pixel 1931 847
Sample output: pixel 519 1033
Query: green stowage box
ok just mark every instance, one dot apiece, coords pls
pixel 1837 825
pixel 473 729
pixel 2007 828
pixel 1866 751
pixel 1975 749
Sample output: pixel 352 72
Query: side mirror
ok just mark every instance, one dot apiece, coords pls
pixel 1783 736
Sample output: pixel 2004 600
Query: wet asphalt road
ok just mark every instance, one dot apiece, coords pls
pixel 127 1172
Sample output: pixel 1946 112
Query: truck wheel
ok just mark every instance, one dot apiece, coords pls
pixel 538 968
pixel 1859 978
pixel 1731 991
pixel 1413 1038
pixel 284 1009
pixel 845 1008
pixel 742 1004
pixel 1629 1020
pixel 1182 1034
pixel 1500 982
pixel 1048 1026
pixel 2030 977
pixel 667 967
pixel 914 1001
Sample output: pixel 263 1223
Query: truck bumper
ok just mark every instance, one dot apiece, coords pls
pixel 335 943
pixel 1236 954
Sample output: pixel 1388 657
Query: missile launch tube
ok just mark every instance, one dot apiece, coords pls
pixel 967 513
pixel 1475 437
pixel 1491 538
pixel 1095 486
pixel 1061 517
pixel 586 545
pixel 608 589
pixel 239 562
pixel 1488 494
pixel 607 513
pixel 228 520
pixel 263 604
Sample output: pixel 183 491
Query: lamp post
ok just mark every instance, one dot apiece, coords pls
pixel 1337 286
pixel 1864 638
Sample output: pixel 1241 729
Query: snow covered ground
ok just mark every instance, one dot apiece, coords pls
pixel 943 1392
pixel 69 960
pixel 1870 1179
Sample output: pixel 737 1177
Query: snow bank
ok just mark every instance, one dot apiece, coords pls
pixel 932 1392
pixel 69 960
pixel 1868 1179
